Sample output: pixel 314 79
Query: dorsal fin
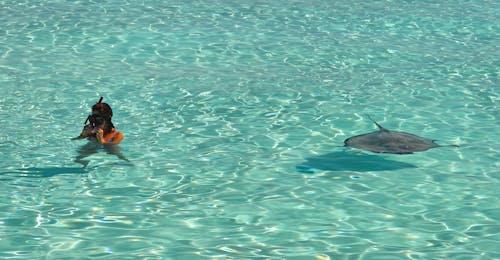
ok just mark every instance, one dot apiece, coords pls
pixel 381 128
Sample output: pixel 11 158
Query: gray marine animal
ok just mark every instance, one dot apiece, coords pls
pixel 387 141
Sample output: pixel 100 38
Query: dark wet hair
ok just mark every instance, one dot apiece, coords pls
pixel 105 111
pixel 102 109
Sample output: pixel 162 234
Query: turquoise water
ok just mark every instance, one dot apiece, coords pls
pixel 234 114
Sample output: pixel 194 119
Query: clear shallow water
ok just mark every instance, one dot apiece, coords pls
pixel 234 114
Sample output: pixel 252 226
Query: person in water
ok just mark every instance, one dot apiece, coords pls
pixel 99 129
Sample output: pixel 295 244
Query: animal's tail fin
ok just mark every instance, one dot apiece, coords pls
pixel 445 145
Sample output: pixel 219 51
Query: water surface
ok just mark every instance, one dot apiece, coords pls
pixel 234 116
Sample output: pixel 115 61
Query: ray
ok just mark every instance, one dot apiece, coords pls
pixel 387 141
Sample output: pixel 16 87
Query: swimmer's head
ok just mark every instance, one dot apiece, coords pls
pixel 101 113
pixel 102 109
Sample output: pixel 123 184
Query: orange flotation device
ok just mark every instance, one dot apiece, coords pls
pixel 113 137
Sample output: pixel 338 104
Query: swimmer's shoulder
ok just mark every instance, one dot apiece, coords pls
pixel 118 137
